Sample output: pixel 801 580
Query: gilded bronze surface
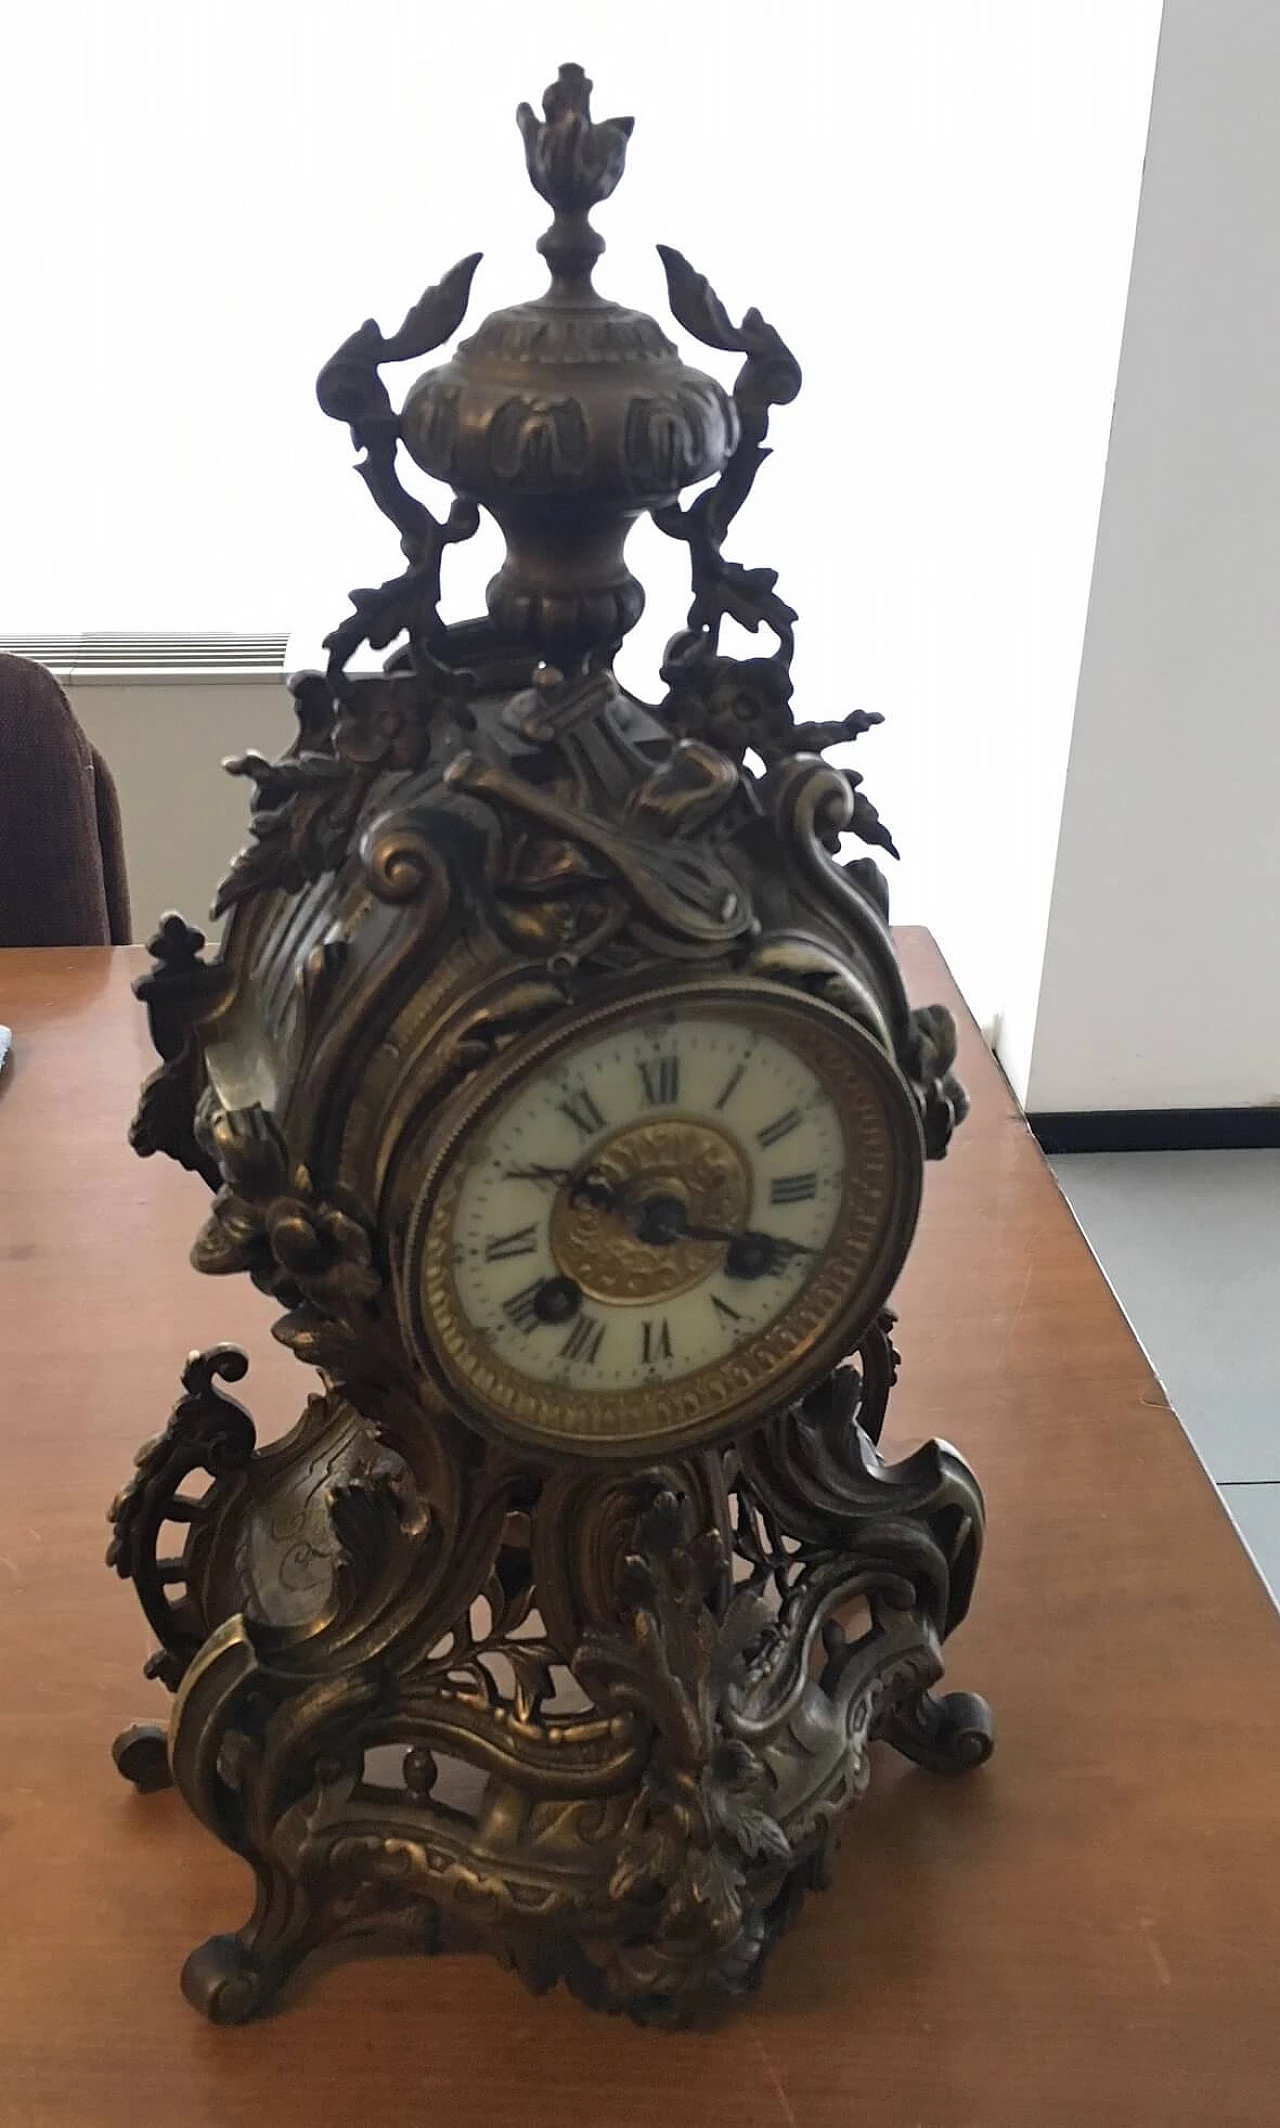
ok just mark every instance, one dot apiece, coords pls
pixel 596 1674
pixel 683 1158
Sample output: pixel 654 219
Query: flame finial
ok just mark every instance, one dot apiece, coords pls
pixel 573 163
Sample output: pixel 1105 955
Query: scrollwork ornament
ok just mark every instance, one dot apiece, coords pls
pixel 350 389
pixel 210 1432
pixel 309 807
pixel 267 1220
pixel 769 377
pixel 450 1646
pixel 179 990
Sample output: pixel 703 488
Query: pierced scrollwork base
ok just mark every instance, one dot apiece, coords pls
pixel 609 1720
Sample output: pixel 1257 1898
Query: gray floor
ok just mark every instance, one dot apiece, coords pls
pixel 1191 1245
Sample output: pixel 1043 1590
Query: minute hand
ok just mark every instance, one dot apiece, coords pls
pixel 750 1254
pixel 662 1221
pixel 777 1242
pixel 582 1182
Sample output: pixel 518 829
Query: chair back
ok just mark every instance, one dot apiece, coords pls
pixel 62 868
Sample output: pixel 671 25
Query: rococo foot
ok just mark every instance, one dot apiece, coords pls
pixel 141 1754
pixel 223 1982
pixel 951 1734
pixel 231 1978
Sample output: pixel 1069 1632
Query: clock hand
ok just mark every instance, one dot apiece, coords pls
pixel 537 1173
pixel 547 1300
pixel 752 1254
pixel 660 1221
pixel 583 1183
pixel 777 1242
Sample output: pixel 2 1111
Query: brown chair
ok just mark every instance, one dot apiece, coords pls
pixel 62 870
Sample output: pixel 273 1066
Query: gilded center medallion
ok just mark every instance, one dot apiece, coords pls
pixel 683 1168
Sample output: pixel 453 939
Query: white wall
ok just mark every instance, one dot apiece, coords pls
pixel 1161 983
pixel 933 201
pixel 183 820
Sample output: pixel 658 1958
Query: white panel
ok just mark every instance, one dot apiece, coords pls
pixel 1160 977
pixel 933 201
pixel 183 820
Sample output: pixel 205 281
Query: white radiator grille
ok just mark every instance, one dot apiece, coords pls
pixel 102 656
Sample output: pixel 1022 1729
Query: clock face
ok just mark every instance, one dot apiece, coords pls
pixel 666 1219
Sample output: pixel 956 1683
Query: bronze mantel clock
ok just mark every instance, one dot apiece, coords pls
pixel 557 1081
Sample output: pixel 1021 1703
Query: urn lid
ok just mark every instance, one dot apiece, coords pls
pixel 570 395
pixel 566 417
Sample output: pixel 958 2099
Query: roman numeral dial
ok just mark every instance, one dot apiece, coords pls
pixel 662 1195
pixel 655 1342
pixel 793 1189
pixel 781 1127
pixel 660 1079
pixel 583 1112
pixel 635 1219
pixel 584 1340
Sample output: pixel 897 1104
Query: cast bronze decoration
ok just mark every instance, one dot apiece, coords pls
pixel 683 1161
pixel 556 1081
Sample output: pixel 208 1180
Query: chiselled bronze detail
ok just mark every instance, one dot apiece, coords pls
pixel 682 1157
pixel 591 1661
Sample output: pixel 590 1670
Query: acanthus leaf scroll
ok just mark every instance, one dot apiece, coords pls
pixel 350 389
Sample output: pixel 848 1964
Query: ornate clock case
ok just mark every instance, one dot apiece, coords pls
pixel 591 1670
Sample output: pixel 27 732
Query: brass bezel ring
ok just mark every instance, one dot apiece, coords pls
pixel 823 1321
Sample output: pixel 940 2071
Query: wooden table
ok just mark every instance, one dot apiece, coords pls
pixel 1085 1933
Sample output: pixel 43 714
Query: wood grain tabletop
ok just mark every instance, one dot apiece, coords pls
pixel 1082 1935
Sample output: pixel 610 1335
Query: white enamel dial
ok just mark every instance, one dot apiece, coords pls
pixel 698 1081
pixel 671 1217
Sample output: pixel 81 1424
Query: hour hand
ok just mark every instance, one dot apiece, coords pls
pixel 587 1184
pixel 752 1255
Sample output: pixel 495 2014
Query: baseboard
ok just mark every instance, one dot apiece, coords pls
pixel 1155 1130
